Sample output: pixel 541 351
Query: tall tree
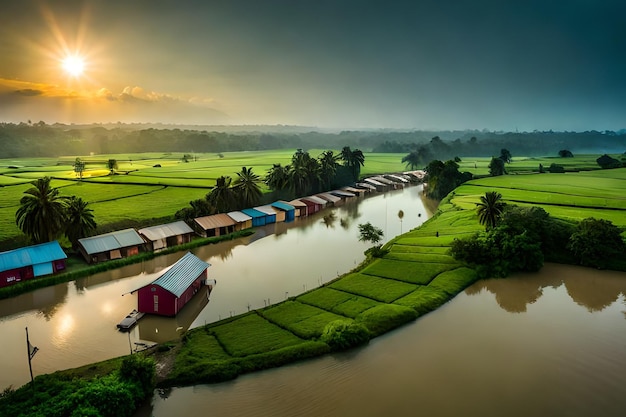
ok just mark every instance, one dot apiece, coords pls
pixel 354 160
pixel 222 196
pixel 304 173
pixel 112 165
pixel 412 160
pixel 327 168
pixel 490 209
pixel 41 214
pixel 79 167
pixel 247 188
pixel 496 167
pixel 505 155
pixel 80 221
pixel 277 177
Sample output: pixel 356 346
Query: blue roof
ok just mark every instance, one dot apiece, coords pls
pixel 110 241
pixel 283 206
pixel 31 255
pixel 182 274
pixel 253 213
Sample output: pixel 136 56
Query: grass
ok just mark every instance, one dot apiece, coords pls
pixel 376 288
pixel 338 302
pixel 301 319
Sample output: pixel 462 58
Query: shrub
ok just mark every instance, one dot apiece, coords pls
pixel 556 169
pixel 139 370
pixel 343 334
pixel 596 242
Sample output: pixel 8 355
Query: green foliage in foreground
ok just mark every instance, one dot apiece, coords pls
pixel 114 394
pixel 342 334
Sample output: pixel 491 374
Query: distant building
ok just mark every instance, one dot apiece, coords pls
pixel 113 245
pixel 31 262
pixel 166 235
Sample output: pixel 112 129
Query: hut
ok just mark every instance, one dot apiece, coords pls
pixel 377 184
pixel 242 220
pixel 288 211
pixel 169 293
pixel 214 225
pixel 270 214
pixel 314 204
pixel 343 194
pixel 258 218
pixel 331 199
pixel 166 235
pixel 366 186
pixel 30 262
pixel 357 191
pixel 113 245
pixel 300 208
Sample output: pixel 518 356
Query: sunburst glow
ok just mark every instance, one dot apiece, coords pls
pixel 74 65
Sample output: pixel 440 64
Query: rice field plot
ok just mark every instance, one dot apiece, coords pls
pixel 398 248
pixel 8 228
pixel 336 301
pixel 377 288
pixel 303 320
pixel 94 193
pixel 251 334
pixel 419 257
pixel 200 346
pixel 7 180
pixel 567 184
pixel 619 174
pixel 205 184
pixel 454 281
pixel 424 299
pixel 161 203
pixel 411 272
pixel 527 164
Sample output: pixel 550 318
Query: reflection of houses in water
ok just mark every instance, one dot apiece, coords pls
pixel 46 300
pixel 161 329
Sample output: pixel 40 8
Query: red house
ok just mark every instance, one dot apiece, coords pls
pixel 31 262
pixel 169 293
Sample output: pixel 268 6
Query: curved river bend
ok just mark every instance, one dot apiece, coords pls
pixel 546 344
pixel 74 324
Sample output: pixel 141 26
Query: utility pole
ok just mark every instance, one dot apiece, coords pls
pixel 31 350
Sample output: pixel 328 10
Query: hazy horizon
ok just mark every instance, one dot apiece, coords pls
pixel 424 65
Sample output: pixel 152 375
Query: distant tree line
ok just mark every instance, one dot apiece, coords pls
pixel 43 140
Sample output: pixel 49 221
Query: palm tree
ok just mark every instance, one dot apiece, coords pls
pixel 80 221
pixel 327 168
pixel 304 173
pixel 277 177
pixel 490 209
pixel 353 159
pixel 247 188
pixel 412 160
pixel 41 214
pixel 222 195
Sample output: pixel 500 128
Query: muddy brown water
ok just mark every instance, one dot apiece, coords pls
pixel 74 323
pixel 546 344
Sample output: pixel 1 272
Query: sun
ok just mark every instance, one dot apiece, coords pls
pixel 74 65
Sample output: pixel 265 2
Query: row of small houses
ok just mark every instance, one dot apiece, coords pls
pixel 49 258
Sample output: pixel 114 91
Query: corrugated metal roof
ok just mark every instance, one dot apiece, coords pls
pixel 329 197
pixel 315 199
pixel 110 241
pixel 297 203
pixel 166 230
pixel 373 182
pixel 366 185
pixel 239 217
pixel 342 193
pixel 283 206
pixel 253 213
pixel 267 209
pixel 398 177
pixel 215 221
pixel 383 180
pixel 182 274
pixel 353 190
pixel 31 255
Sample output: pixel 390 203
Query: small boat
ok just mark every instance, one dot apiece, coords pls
pixel 129 321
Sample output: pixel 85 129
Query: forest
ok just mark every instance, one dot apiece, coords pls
pixel 43 140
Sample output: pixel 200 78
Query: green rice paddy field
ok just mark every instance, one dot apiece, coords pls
pixel 415 277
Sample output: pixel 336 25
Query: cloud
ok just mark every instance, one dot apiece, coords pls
pixel 29 92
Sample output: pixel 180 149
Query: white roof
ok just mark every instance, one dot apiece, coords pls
pixel 166 230
pixel 267 209
pixel 315 199
pixel 239 217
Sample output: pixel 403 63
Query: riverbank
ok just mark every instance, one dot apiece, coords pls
pixel 416 276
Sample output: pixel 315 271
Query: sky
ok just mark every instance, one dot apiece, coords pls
pixel 345 64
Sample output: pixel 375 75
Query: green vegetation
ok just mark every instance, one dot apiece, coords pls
pixel 415 276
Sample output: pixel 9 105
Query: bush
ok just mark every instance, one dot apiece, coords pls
pixel 139 370
pixel 343 334
pixel 596 243
pixel 556 169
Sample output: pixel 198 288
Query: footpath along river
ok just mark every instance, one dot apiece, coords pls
pixel 74 324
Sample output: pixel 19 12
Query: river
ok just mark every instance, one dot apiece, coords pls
pixel 545 344
pixel 74 323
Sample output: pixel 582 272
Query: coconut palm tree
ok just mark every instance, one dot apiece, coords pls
pixel 277 177
pixel 490 209
pixel 80 221
pixel 222 196
pixel 353 159
pixel 247 188
pixel 412 160
pixel 304 173
pixel 327 168
pixel 41 214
